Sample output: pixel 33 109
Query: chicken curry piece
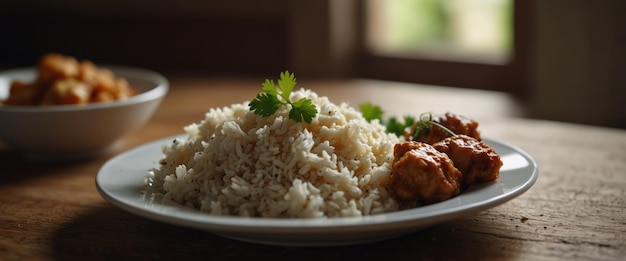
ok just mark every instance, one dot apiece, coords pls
pixel 438 166
pixel 422 174
pixel 473 158
pixel 458 124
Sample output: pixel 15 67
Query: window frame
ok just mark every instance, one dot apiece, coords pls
pixel 511 77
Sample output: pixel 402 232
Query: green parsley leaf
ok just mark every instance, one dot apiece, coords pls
pixel 397 127
pixel 269 87
pixel 394 126
pixel 269 101
pixel 303 109
pixel 371 111
pixel 265 104
pixel 409 121
pixel 286 83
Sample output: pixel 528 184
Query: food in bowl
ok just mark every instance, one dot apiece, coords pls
pixel 67 132
pixel 294 154
pixel 62 80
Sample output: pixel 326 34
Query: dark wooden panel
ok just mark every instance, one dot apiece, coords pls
pixel 182 42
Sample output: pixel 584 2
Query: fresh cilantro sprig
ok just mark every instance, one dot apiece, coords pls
pixel 275 96
pixel 397 127
pixel 425 124
pixel 371 111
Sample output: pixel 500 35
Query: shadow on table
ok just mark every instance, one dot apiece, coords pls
pixel 107 233
pixel 17 168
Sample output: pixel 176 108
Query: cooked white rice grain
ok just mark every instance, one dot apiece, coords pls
pixel 235 162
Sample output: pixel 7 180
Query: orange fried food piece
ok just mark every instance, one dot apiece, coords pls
pixel 422 174
pixel 64 80
pixel 21 93
pixel 106 87
pixel 53 67
pixel 476 160
pixel 67 91
pixel 454 122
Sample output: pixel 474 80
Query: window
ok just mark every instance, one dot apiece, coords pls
pixel 464 43
pixel 457 30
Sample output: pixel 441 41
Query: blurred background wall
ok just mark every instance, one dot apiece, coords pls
pixel 579 61
pixel 570 59
pixel 167 35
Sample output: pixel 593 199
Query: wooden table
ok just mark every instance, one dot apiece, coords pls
pixel 575 211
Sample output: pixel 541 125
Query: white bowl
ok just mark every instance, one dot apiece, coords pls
pixel 78 131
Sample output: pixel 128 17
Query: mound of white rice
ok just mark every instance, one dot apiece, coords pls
pixel 235 162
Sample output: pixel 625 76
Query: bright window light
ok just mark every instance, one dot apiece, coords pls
pixel 478 31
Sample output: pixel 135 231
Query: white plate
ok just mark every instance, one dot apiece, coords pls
pixel 122 179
